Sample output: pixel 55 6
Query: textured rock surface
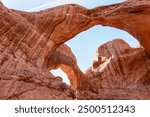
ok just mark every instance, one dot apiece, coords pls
pixel 64 58
pixel 29 42
pixel 29 82
pixel 119 62
pixel 120 72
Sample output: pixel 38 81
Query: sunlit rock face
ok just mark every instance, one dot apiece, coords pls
pixel 31 44
pixel 120 72
pixel 119 62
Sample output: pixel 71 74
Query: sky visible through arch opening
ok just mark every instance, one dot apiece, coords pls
pixel 83 45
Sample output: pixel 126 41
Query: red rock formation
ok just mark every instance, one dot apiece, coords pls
pixel 124 65
pixel 120 72
pixel 65 59
pixel 29 42
pixel 129 17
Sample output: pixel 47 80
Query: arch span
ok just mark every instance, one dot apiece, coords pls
pixel 64 22
pixel 64 59
pixel 33 37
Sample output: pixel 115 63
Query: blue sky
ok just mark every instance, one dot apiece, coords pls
pixel 42 4
pixel 83 45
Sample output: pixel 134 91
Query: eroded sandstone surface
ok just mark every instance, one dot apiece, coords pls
pixel 120 72
pixel 32 44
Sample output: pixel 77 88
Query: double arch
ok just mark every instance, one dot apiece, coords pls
pixel 51 28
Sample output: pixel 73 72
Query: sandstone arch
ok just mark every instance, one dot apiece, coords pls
pixel 64 59
pixel 73 19
pixel 28 40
